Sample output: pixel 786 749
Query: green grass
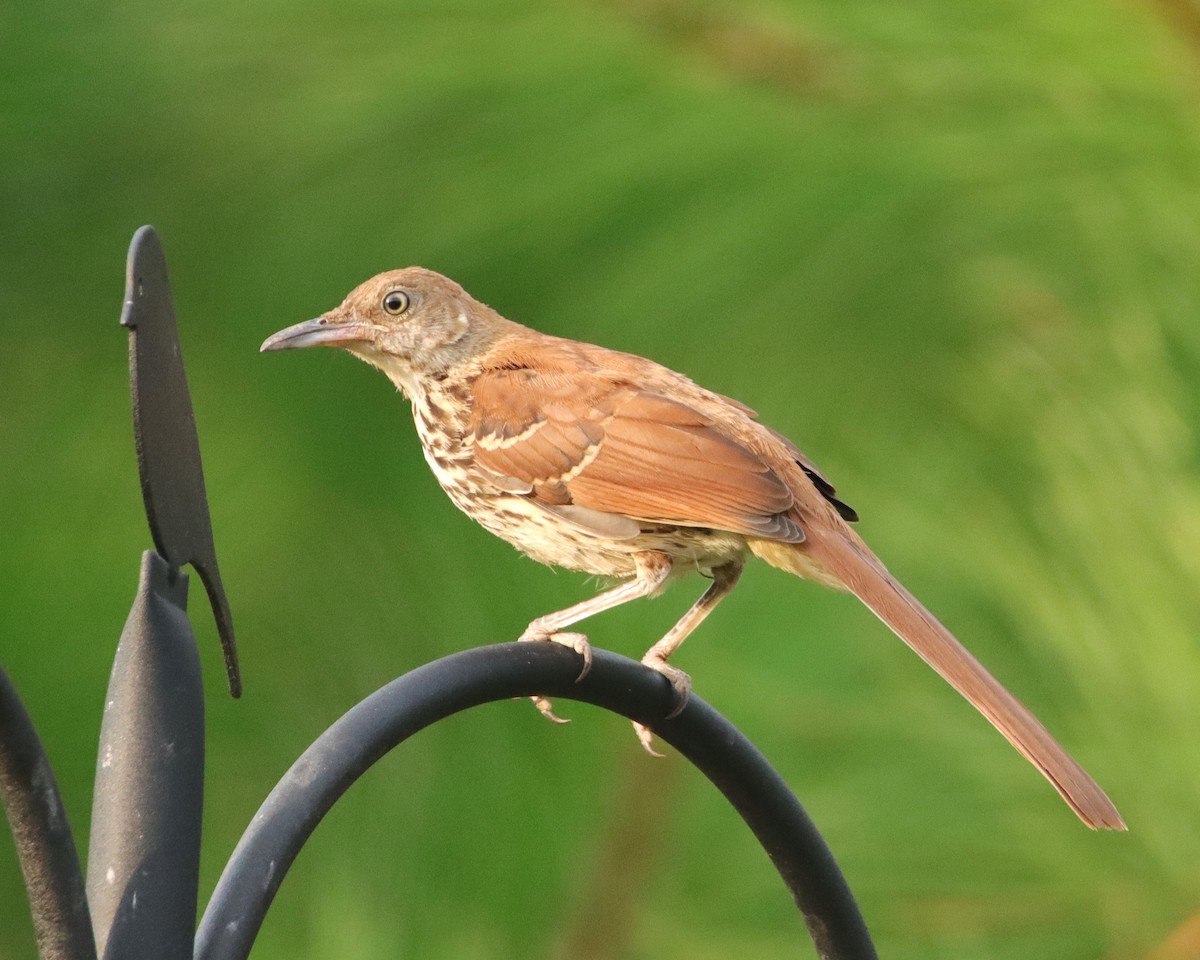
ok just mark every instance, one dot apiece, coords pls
pixel 950 249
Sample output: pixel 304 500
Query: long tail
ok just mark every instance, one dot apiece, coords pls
pixel 840 556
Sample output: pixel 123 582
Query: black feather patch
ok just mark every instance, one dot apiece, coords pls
pixel 825 488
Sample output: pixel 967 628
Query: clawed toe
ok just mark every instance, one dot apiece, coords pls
pixel 579 643
pixel 572 641
pixel 679 680
pixel 645 738
pixel 682 684
pixel 546 709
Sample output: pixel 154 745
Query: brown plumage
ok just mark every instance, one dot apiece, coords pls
pixel 608 463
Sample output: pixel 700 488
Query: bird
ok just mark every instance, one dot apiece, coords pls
pixel 611 464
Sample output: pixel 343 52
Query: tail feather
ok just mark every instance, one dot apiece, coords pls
pixel 841 558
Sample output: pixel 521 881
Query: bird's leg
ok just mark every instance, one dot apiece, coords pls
pixel 651 570
pixel 725 578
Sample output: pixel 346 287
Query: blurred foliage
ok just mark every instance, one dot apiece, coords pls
pixel 951 249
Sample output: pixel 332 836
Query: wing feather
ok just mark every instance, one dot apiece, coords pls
pixel 607 446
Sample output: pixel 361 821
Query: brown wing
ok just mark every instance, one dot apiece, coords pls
pixel 582 440
pixel 824 487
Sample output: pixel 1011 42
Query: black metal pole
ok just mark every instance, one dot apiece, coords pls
pixel 428 694
pixel 42 835
pixel 144 858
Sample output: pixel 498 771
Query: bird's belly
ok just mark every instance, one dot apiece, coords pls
pixel 556 542
pixel 551 540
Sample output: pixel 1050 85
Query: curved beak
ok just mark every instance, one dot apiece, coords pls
pixel 321 332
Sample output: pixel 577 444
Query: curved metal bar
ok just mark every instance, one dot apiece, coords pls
pixel 454 683
pixel 45 848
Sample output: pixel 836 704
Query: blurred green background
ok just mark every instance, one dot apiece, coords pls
pixel 953 250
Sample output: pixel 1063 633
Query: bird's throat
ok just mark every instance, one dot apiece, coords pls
pixel 395 368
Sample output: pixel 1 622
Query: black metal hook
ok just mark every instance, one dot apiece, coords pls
pixel 164 427
pixel 348 748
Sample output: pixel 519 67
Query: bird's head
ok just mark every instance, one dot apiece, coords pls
pixel 413 324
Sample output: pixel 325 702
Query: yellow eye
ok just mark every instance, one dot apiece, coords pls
pixel 396 302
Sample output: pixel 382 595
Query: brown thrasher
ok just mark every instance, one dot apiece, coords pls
pixel 608 463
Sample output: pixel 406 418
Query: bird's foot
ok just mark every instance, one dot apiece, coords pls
pixel 679 680
pixel 572 641
pixel 546 709
pixel 683 691
pixel 645 738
